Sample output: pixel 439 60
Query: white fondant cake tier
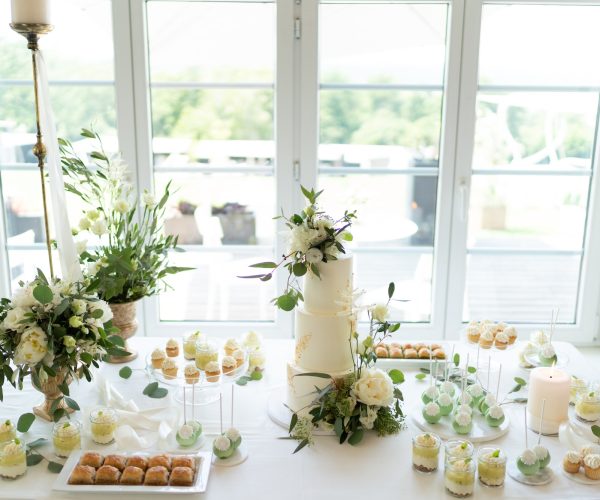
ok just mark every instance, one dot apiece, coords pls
pixel 301 391
pixel 323 341
pixel 332 291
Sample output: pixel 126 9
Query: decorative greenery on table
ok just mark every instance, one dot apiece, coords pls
pixel 366 399
pixel 51 328
pixel 315 237
pixel 132 261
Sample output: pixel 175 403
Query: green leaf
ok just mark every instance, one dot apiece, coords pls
pixel 596 430
pixel 256 375
pixel 302 444
pixel 159 393
pixel 86 357
pixel 266 277
pixel 421 376
pixel 43 294
pixel 64 388
pixel 516 388
pixel 125 372
pixel 150 388
pixel 456 359
pixel 299 269
pixel 25 422
pixel 58 414
pixel 338 426
pixel 347 236
pixel 396 375
pixel 34 459
pixel 471 369
pixel 265 265
pixel 71 403
pixel 242 380
pixel 87 133
pixel 116 340
pixel 49 370
pixel 356 437
pixel 286 302
pixel 520 381
pixel 55 467
pixel 97 313
pixel 37 443
pixel 314 374
pixel 293 423
pixel 391 289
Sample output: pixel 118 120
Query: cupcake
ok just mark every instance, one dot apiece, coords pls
pixel 425 452
pixel 446 403
pixel 191 373
pixel 539 338
pixel 231 346
pixel 473 334
pixel 511 333
pixel 172 348
pixel 592 449
pixel 157 357
pixel 486 339
pixel 528 463
pixel 572 462
pixel 494 416
pixel 431 413
pixel 462 423
pixel 543 455
pixel 501 341
pixel 547 355
pixel 213 371
pixel 591 466
pixel 189 345
pixel 239 357
pixel 587 407
pixel 169 368
pixel 228 364
pixel 430 394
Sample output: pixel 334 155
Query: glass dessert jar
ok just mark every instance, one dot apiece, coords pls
pixel 66 437
pixel 8 432
pixel 103 425
pixel 459 476
pixel 425 452
pixel 458 448
pixel 13 462
pixel 491 466
pixel 189 344
pixel 205 353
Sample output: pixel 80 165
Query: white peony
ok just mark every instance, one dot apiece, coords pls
pixel 300 238
pixel 314 256
pixel 121 206
pixel 23 297
pixel 320 234
pixel 78 306
pixel 104 307
pixel 99 227
pixel 81 246
pixel 85 224
pixel 32 348
pixel 14 317
pixel 148 199
pixel 368 420
pixel 380 313
pixel 374 387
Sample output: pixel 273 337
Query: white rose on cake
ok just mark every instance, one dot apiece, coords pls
pixel 374 387
pixel 32 348
pixel 314 256
pixel 300 238
pixel 380 313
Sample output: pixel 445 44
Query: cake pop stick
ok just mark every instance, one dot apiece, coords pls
pixel 525 415
pixel 541 421
pixel 193 402
pixel 430 369
pixel 221 411
pixel 184 414
pixel 487 387
pixel 498 385
pixel 232 388
pixel 467 366
pixel 477 363
pixel 553 323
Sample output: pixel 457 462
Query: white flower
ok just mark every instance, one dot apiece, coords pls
pixel 81 246
pixel 92 268
pixel 256 360
pixel 380 313
pixel 121 206
pixel 374 387
pixel 252 340
pixel 148 199
pixel 92 214
pixel 368 420
pixel 117 170
pixel 75 322
pixel 99 227
pixel 314 256
pixel 69 342
pixel 84 224
pixel 14 317
pixel 32 348
pixel 300 238
pixel 104 307
pixel 321 225
pixel 23 297
pixel 78 306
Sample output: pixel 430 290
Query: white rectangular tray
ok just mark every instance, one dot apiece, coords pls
pixel 203 463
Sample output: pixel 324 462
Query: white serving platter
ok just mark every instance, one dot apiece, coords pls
pixel 545 476
pixel 203 463
pixel 480 433
pixel 581 478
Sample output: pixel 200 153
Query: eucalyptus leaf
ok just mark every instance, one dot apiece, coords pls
pixel 150 388
pixel 596 430
pixel 456 359
pixel 356 437
pixel 71 403
pixel 313 374
pixel 125 372
pixel 302 444
pixel 420 376
pixel 34 459
pixel 159 393
pixel 37 443
pixel 43 294
pixel 265 265
pixel 396 375
pixel 391 289
pixel 293 422
pixel 256 375
pixel 55 467
pixel 242 380
pixel 520 381
pixel 471 369
pixel 25 422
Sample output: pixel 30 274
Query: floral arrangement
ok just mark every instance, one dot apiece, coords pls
pixel 132 261
pixel 315 237
pixel 53 329
pixel 367 399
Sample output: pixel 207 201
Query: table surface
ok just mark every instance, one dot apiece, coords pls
pixel 379 467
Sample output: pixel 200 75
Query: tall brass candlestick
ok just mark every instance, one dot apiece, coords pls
pixel 32 33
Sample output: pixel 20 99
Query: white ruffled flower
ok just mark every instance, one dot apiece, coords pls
pixel 23 297
pixel 14 317
pixel 300 238
pixel 380 313
pixel 374 387
pixel 78 306
pixel 99 227
pixel 81 246
pixel 104 307
pixel 121 206
pixel 321 226
pixel 85 224
pixel 32 348
pixel 148 199
pixel 314 256
pixel 368 420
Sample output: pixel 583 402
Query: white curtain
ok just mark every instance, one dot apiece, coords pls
pixel 69 259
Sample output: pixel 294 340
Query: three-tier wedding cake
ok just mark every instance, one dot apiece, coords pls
pixel 323 329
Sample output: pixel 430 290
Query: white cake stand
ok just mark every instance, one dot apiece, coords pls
pixel 282 416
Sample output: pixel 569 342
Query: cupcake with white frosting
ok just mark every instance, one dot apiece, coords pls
pixel 591 466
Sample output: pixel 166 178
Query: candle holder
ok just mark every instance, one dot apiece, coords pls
pixel 32 33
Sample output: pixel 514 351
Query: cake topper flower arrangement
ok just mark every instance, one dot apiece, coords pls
pixel 314 238
pixel 366 399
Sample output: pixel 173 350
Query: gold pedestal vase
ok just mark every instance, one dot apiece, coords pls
pixel 124 318
pixel 52 392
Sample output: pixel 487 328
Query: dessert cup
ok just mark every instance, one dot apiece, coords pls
pixel 491 466
pixel 425 452
pixel 459 477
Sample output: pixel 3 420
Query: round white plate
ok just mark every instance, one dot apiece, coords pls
pixel 480 433
pixel 282 416
pixel 239 456
pixel 562 360
pixel 581 478
pixel 544 477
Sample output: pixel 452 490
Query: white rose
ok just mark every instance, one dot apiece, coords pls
pixel 368 420
pixel 78 306
pixel 104 307
pixel 148 199
pixel 32 348
pixel 81 246
pixel 14 317
pixel 374 387
pixel 314 256
pixel 380 313
pixel 99 227
pixel 300 238
pixel 121 206
pixel 85 224
pixel 23 297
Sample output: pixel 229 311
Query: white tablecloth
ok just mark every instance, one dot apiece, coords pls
pixel 377 468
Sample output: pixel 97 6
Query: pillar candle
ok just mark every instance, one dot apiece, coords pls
pixel 553 385
pixel 31 11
